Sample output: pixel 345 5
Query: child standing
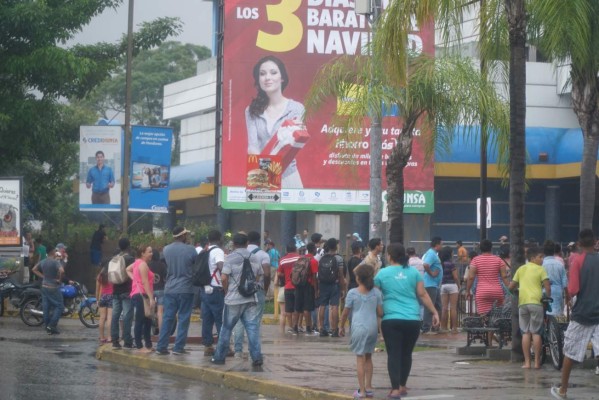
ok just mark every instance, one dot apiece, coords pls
pixel 104 298
pixel 530 278
pixel 365 303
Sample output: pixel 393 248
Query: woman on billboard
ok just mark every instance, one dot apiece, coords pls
pixel 274 122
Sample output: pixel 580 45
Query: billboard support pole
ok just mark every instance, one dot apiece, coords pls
pixel 127 142
pixel 262 219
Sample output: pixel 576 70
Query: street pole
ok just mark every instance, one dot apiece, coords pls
pixel 127 143
pixel 376 140
pixel 484 139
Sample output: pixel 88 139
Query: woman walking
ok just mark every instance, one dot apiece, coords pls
pixel 365 305
pixel 142 286
pixel 450 288
pixel 401 286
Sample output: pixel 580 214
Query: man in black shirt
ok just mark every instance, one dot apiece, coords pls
pixel 121 303
pixel 95 246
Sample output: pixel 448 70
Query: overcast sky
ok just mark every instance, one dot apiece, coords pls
pixel 111 25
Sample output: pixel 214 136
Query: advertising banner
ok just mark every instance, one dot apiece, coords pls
pixel 150 168
pixel 11 197
pixel 272 52
pixel 100 168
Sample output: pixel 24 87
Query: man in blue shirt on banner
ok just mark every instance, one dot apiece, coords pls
pixel 100 179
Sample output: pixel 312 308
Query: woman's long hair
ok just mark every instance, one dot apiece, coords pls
pixel 445 254
pixel 260 102
pixel 103 276
pixel 397 254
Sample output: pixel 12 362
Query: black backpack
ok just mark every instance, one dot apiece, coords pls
pixel 201 269
pixel 300 271
pixel 247 283
pixel 328 271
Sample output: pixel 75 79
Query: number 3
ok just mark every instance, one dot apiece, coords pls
pixel 292 28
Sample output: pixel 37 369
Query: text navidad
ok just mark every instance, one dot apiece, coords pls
pixel 330 27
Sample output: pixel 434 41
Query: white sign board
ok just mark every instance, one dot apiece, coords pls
pixel 488 213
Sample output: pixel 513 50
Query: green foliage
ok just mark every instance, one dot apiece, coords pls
pixel 38 133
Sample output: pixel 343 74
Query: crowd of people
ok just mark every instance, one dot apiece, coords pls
pixel 372 292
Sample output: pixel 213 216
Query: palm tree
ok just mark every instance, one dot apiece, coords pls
pixel 443 95
pixel 568 33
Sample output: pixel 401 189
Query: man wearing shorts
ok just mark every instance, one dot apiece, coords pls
pixel 305 294
pixel 584 320
pixel 285 268
pixel 330 293
pixel 530 278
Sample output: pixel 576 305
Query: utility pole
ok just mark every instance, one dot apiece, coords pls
pixel 127 143
pixel 372 8
pixel 484 139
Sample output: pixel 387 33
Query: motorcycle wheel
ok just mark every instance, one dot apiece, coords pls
pixel 556 344
pixel 25 312
pixel 89 315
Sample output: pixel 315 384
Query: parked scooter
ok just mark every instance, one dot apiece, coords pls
pixel 13 291
pixel 75 301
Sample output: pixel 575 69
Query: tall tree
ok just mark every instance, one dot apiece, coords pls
pixel 568 33
pixel 37 71
pixel 444 95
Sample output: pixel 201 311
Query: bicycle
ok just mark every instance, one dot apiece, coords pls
pixel 552 335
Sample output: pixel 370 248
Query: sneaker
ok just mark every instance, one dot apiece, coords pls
pixel 209 351
pixel 163 352
pixel 116 346
pixel 335 333
pixel 53 331
pixel 128 346
pixel 430 333
pixel 555 392
pixel 238 354
pixel 291 331
pixel 230 353
pixel 300 330
pixel 180 352
pixel 257 363
pixel 358 395
pixel 597 370
pixel 217 362
pixel 324 333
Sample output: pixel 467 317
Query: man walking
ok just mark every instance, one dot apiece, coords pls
pixel 178 291
pixel 584 320
pixel 374 255
pixel 121 303
pixel 261 258
pixel 237 306
pixel 433 275
pixel 213 296
pixel 51 273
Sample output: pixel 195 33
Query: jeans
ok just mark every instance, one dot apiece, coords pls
pixel 212 313
pixel 122 303
pixel 238 331
pixel 326 327
pixel 427 321
pixel 174 304
pixel 52 306
pixel 143 325
pixel 249 314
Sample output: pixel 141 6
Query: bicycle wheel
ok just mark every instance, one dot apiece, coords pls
pixel 31 312
pixel 89 315
pixel 556 343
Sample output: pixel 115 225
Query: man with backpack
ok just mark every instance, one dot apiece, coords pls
pixel 260 257
pixel 303 277
pixel 212 294
pixel 121 301
pixel 284 272
pixel 240 280
pixel 178 291
pixel 331 286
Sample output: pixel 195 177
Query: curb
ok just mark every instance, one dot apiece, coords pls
pixel 215 375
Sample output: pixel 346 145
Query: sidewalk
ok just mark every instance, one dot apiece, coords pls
pixel 310 367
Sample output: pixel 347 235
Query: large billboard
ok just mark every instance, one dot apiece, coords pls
pixel 11 202
pixel 100 168
pixel 150 168
pixel 272 52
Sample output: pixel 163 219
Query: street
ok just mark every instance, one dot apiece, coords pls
pixel 37 366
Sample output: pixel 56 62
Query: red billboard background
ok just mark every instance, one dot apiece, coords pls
pixel 304 35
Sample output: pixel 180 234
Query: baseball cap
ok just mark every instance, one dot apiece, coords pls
pixel 61 246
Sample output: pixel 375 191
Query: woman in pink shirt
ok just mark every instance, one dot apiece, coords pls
pixel 104 296
pixel 142 285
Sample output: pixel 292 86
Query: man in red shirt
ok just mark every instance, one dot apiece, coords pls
pixel 285 268
pixel 305 301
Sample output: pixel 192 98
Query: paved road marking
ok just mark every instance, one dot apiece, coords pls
pixel 432 396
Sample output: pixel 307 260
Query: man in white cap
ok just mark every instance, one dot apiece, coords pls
pixel 178 291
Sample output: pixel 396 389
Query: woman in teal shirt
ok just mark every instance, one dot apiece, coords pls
pixel 401 286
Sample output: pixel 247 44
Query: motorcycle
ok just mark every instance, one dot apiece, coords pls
pixel 13 291
pixel 75 301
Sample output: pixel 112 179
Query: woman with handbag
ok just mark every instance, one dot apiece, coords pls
pixel 142 297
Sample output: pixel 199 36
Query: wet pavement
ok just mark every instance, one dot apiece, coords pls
pixel 312 367
pixel 34 365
